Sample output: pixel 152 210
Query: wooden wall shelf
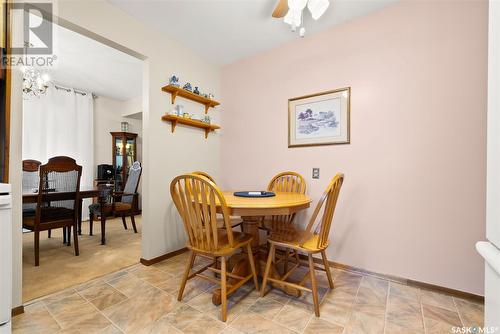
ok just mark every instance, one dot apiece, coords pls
pixel 190 122
pixel 177 91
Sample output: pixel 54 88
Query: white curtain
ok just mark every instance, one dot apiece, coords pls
pixel 61 123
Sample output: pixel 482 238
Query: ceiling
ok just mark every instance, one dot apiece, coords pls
pixel 86 64
pixel 224 31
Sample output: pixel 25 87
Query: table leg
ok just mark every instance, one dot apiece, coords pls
pixel 251 226
pixel 240 265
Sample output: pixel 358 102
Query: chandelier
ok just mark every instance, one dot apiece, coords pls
pixel 295 12
pixel 35 83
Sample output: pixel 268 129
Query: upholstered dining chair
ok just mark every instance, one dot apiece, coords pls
pixel 197 198
pixel 123 203
pixel 58 198
pixel 31 180
pixel 235 221
pixel 314 239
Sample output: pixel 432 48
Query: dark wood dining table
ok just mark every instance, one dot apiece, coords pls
pixel 31 197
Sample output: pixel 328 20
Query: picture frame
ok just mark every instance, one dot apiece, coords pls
pixel 320 119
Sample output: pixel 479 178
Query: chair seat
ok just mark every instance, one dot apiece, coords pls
pixel 95 209
pixel 294 237
pixel 29 213
pixel 240 240
pixel 50 215
pixel 119 207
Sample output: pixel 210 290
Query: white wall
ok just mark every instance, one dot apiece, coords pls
pixel 133 107
pixel 493 188
pixel 165 154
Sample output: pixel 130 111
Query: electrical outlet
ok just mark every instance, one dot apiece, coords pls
pixel 315 173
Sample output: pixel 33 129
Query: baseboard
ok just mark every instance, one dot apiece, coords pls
pixel 17 310
pixel 404 281
pixel 337 265
pixel 162 257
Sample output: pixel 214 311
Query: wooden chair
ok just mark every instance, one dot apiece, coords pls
pixel 306 241
pixel 123 203
pixel 235 221
pixel 284 182
pixel 197 198
pixel 58 198
pixel 31 180
pixel 204 174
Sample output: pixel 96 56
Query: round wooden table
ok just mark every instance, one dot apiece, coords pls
pixel 251 210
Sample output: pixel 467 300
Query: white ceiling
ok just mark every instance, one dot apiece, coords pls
pixel 86 64
pixel 224 31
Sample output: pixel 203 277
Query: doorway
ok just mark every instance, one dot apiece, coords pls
pixel 91 95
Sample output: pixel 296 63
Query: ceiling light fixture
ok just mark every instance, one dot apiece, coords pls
pixel 317 7
pixel 295 11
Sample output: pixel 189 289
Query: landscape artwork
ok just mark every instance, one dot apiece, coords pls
pixel 319 119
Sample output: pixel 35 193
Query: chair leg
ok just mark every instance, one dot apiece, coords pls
pixel 64 234
pixel 68 236
pixel 189 265
pixel 75 236
pixel 296 253
pixel 327 269
pixel 37 248
pixel 285 266
pixel 223 288
pixel 91 223
pixel 314 285
pixel 124 222
pixel 103 229
pixel 252 266
pixel 132 218
pixel 266 272
pixel 50 233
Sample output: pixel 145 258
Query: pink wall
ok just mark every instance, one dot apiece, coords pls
pixel 413 202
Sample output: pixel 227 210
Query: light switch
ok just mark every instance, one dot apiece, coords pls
pixel 315 173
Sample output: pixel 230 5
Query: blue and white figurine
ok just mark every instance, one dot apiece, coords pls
pixel 174 81
pixel 196 91
pixel 188 87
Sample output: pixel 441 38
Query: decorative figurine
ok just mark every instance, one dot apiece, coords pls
pixel 205 95
pixel 196 91
pixel 206 119
pixel 211 96
pixel 174 81
pixel 186 115
pixel 179 110
pixel 188 87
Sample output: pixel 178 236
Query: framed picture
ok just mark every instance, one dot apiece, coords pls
pixel 320 119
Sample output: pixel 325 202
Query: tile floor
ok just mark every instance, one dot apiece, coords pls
pixel 142 299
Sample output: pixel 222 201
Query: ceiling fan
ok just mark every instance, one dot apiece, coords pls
pixel 292 11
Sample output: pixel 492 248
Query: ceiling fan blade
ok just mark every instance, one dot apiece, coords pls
pixel 280 9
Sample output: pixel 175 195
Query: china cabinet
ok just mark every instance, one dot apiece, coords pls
pixel 124 154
